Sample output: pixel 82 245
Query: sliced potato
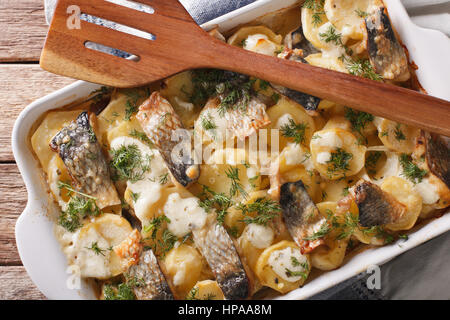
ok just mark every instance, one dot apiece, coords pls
pixel 178 90
pixel 182 266
pixel 348 16
pixel 336 153
pixel 403 191
pixel 52 123
pixel 281 279
pixel 327 62
pixel 233 220
pixel 206 290
pixel 311 25
pixel 397 137
pixel 283 113
pixel 239 37
pixel 215 173
pixel 90 252
pixel 330 255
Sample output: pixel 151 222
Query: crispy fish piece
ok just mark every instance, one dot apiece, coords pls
pixel 438 155
pixel 309 102
pixel 376 207
pixel 301 216
pixel 159 121
pixel 219 251
pixel 82 155
pixel 297 40
pixel 386 54
pixel 238 123
pixel 147 270
pixel 296 48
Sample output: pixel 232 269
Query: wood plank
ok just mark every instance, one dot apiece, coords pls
pixel 21 84
pixel 23 29
pixel 13 198
pixel 15 284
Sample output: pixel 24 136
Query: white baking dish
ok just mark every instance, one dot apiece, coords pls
pixel 40 251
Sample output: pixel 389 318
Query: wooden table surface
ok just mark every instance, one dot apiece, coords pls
pixel 23 30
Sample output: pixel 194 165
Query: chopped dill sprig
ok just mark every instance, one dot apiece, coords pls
pixel 208 123
pixel 236 187
pixel 128 163
pixel 294 131
pixel 358 120
pixel 399 135
pixel 361 13
pixel 154 225
pixel 141 136
pixel 97 250
pixel 266 210
pixel 339 162
pixel 362 68
pixel 316 6
pixel 372 160
pixel 410 170
pixel 319 234
pixel 332 36
pixel 70 190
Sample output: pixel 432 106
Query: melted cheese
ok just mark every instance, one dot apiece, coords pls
pixel 280 261
pixel 328 139
pixel 260 236
pixel 296 154
pixel 185 214
pixel 149 188
pixel 323 157
pixel 284 120
pixel 427 191
pixel 330 49
pixel 260 43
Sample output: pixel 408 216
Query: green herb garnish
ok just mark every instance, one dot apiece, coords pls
pixel 339 162
pixel 266 210
pixel 294 131
pixel 141 136
pixel 128 163
pixel 410 170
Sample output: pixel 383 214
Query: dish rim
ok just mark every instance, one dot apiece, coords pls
pixel 33 219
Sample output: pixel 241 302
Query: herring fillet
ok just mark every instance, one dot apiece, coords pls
pixel 82 155
pixel 159 122
pixel 376 207
pixel 438 155
pixel 386 54
pixel 241 123
pixel 301 216
pixel 218 249
pixel 147 270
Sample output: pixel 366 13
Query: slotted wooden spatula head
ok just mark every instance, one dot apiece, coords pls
pixel 176 44
pixel 176 40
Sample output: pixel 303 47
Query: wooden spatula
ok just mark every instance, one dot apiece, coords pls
pixel 180 44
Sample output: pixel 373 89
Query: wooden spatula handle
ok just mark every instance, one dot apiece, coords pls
pixel 377 98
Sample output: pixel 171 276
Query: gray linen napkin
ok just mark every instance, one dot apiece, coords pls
pixel 421 273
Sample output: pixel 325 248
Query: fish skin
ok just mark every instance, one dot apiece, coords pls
pixel 148 271
pixel 386 54
pixel 299 41
pixel 438 155
pixel 300 214
pixel 219 251
pixel 241 124
pixel 376 207
pixel 159 120
pixel 82 155
pixel 307 101
pixel 298 47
